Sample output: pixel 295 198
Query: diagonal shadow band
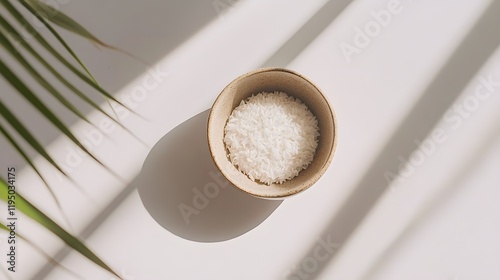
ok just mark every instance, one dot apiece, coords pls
pixel 183 190
pixel 235 213
pixel 463 64
pixel 282 57
pixel 465 170
pixel 157 28
pixel 292 48
pixel 306 34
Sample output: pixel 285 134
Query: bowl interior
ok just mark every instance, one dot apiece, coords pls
pixel 270 80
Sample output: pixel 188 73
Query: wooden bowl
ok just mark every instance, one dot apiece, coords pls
pixel 270 80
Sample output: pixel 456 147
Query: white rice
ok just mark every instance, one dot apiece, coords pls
pixel 271 137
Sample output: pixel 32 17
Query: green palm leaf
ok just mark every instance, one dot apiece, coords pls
pixel 41 40
pixel 42 108
pixel 41 252
pixel 51 89
pixel 42 10
pixel 32 212
pixel 37 11
pixel 23 154
pixel 9 35
pixel 20 39
pixel 39 105
pixel 59 18
pixel 26 134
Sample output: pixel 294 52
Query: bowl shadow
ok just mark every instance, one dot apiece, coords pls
pixel 185 193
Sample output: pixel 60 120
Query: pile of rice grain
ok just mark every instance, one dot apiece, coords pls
pixel 271 137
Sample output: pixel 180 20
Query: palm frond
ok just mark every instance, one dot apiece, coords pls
pixel 40 9
pixel 31 211
pixel 27 135
pixel 41 80
pixel 9 35
pixel 28 94
pixel 23 154
pixel 45 255
pixel 16 36
pixel 41 40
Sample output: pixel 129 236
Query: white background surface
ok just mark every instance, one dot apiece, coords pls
pixel 441 222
